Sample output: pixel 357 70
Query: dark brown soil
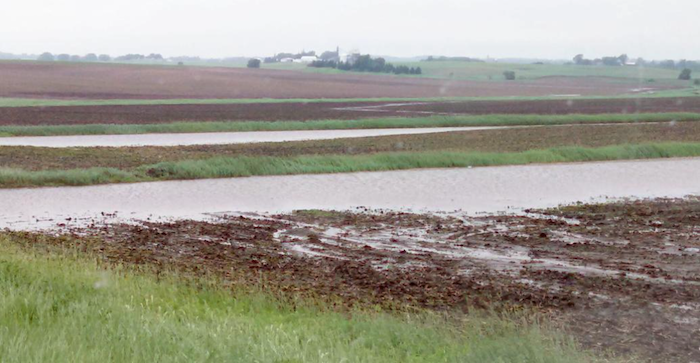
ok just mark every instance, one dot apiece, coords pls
pixel 101 81
pixel 622 276
pixel 133 114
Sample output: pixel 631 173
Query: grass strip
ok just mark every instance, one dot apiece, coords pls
pixel 243 166
pixel 370 123
pixel 42 102
pixel 63 307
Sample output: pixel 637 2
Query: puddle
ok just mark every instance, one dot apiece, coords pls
pixel 216 138
pixel 507 189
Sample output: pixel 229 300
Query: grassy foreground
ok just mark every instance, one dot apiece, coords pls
pixel 243 166
pixel 57 308
pixel 370 123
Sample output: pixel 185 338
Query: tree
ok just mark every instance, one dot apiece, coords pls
pixel 510 75
pixel 330 55
pixel 254 63
pixel 63 57
pixel 623 58
pixel 46 57
pixel 104 58
pixel 75 58
pixel 90 57
pixel 154 56
pixel 668 64
pixel 578 59
pixel 685 74
pixel 419 70
pixel 611 61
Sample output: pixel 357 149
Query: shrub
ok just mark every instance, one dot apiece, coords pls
pixel 510 75
pixel 254 63
pixel 697 82
pixel 685 74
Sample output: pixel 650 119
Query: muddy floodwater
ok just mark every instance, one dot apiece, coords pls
pixel 470 191
pixel 215 138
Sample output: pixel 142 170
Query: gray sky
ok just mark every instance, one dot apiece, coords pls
pixel 652 29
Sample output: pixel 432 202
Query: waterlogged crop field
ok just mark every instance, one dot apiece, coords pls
pixel 613 282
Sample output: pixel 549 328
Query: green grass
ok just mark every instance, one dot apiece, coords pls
pixel 494 71
pixel 370 123
pixel 56 307
pixel 244 166
pixel 482 71
pixel 40 102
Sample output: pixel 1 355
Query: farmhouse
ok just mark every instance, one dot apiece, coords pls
pixel 306 59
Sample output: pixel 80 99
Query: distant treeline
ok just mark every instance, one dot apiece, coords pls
pixel 623 59
pixel 92 57
pixel 451 59
pixel 365 63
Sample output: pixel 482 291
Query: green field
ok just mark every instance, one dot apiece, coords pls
pixel 494 71
pixel 60 306
pixel 482 71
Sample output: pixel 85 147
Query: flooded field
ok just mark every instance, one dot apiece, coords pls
pixel 215 138
pixel 470 191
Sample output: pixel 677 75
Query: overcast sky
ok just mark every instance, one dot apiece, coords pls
pixel 652 29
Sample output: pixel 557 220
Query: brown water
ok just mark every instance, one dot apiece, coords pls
pixel 470 191
pixel 215 138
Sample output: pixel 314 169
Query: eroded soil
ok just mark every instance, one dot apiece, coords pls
pixel 623 276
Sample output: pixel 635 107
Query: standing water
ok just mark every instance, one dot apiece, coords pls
pixel 488 189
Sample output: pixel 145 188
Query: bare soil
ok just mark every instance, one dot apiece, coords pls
pixel 135 114
pixel 623 276
pixel 108 81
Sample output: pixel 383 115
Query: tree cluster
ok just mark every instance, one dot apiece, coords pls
pixel 606 61
pixel 685 74
pixel 681 64
pixel 91 57
pixel 134 57
pixel 254 63
pixel 365 63
pixel 510 75
pixel 451 59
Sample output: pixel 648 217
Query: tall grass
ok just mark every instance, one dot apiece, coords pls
pixel 224 167
pixel 370 123
pixel 56 308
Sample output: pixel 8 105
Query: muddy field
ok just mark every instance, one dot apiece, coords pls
pixel 621 276
pixel 98 81
pixel 68 115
